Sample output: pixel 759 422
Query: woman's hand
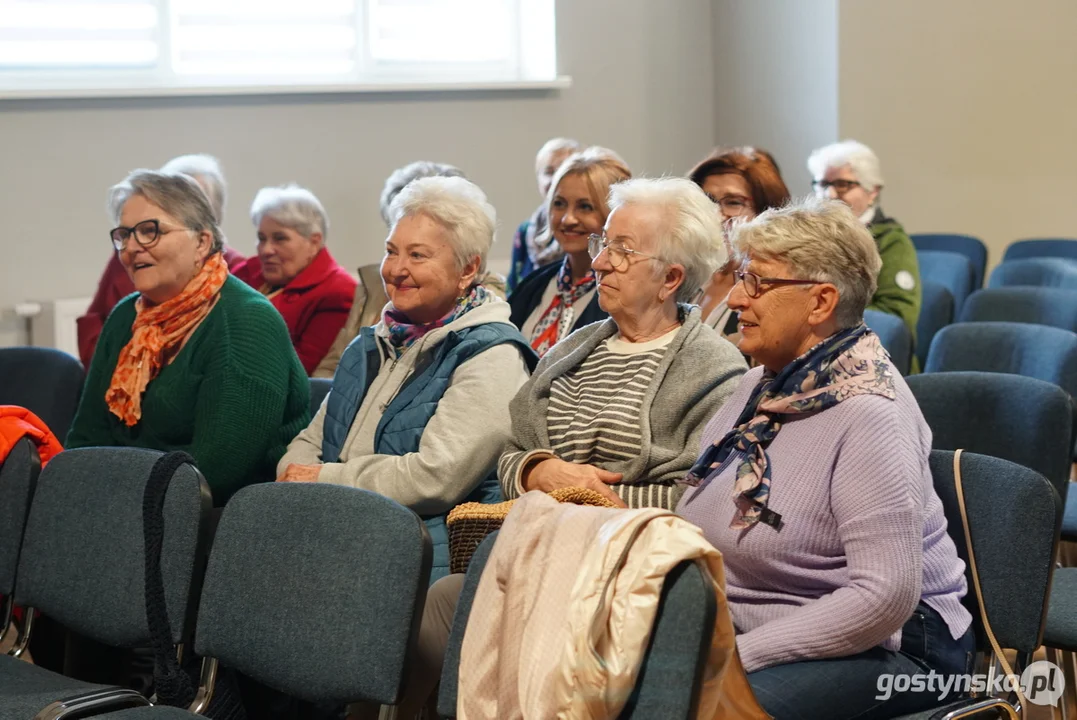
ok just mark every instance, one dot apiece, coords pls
pixel 551 473
pixel 300 473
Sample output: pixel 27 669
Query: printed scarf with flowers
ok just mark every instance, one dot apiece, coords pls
pixel 849 363
pixel 403 333
pixel 157 334
pixel 556 321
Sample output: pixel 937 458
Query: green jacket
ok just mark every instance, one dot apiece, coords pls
pixel 899 290
pixel 233 397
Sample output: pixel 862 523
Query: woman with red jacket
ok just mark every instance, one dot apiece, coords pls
pixel 295 271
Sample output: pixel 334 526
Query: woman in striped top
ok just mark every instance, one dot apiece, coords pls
pixel 618 406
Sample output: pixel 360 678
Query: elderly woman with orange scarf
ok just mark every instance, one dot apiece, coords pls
pixel 196 360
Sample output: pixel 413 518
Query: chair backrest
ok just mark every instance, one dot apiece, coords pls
pixel 971 247
pixel 316 591
pixel 1014 549
pixel 18 480
pixel 45 381
pixel 894 335
pixel 450 672
pixel 952 270
pixel 1035 351
pixel 1056 307
pixel 677 650
pixel 83 559
pixel 319 388
pixel 936 312
pixel 1036 272
pixel 1020 419
pixel 1041 247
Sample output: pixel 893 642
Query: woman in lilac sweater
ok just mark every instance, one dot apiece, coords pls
pixel 814 484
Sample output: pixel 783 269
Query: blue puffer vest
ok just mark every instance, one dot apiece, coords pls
pixel 404 419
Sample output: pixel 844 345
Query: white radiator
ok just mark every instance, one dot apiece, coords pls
pixel 52 323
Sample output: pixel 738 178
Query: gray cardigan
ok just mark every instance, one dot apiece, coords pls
pixel 698 372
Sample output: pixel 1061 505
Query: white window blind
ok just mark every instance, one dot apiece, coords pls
pixel 68 46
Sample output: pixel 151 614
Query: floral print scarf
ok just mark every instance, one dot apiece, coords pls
pixel 403 333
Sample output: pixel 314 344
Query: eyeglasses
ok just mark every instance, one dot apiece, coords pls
pixel 840 186
pixel 733 205
pixel 753 284
pixel 597 243
pixel 146 234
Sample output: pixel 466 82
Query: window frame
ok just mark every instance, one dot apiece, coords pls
pixel 520 73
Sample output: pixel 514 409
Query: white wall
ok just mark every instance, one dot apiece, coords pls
pixel 972 109
pixel 643 84
pixel 776 70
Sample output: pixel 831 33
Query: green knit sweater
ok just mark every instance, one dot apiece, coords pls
pixel 234 396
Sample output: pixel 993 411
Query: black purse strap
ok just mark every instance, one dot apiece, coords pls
pixel 173 685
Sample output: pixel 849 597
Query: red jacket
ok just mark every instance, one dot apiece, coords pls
pixel 18 422
pixel 314 305
pixel 115 284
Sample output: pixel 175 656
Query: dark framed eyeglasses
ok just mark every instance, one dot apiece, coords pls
pixel 145 233
pixel 733 205
pixel 840 186
pixel 618 252
pixel 755 285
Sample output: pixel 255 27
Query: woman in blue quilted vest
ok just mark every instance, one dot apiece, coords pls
pixel 419 410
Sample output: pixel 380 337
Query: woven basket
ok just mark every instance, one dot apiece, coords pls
pixel 470 523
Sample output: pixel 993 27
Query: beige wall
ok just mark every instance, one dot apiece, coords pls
pixel 972 108
pixel 776 68
pixel 643 84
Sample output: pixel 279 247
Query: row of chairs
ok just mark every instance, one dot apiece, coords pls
pixel 290 593
pixel 296 599
pixel 974 249
pixel 293 595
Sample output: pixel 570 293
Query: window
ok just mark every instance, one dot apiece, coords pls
pixel 102 47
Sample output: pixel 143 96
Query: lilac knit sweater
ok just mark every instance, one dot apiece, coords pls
pixel 864 535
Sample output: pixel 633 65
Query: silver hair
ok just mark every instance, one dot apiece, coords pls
pixel 400 178
pixel 691 235
pixel 858 156
pixel 293 207
pixel 554 146
pixel 456 204
pixel 207 171
pixel 176 193
pixel 820 240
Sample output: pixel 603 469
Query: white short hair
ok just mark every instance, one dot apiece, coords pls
pixel 554 146
pixel 293 207
pixel 692 235
pixel 459 206
pixel 858 156
pixel 206 170
pixel 820 240
pixel 400 178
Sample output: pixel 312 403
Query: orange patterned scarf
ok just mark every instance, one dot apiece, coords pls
pixel 157 335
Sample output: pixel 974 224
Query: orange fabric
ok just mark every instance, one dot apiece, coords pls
pixel 18 422
pixel 157 335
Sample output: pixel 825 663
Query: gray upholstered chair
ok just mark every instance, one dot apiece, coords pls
pixel 1014 555
pixel 1037 351
pixel 1020 419
pixel 954 271
pixel 972 248
pixel 83 564
pixel 18 480
pixel 1036 272
pixel 936 312
pixel 319 388
pixel 1056 307
pixel 672 672
pixel 45 381
pixel 895 337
